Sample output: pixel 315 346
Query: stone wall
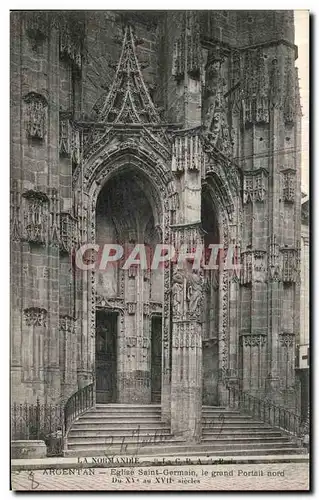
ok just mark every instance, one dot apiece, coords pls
pixel 217 105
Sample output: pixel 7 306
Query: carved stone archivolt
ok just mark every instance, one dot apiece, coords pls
pixel 36 115
pixel 255 185
pixel 35 316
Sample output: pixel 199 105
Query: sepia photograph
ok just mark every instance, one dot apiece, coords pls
pixel 159 250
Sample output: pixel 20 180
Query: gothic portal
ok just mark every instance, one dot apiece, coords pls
pixel 174 128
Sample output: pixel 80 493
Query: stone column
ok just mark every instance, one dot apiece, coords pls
pixel 186 382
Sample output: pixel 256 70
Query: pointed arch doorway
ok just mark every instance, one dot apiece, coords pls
pixel 129 371
pixel 211 305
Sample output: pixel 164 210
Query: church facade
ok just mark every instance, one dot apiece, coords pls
pixel 172 128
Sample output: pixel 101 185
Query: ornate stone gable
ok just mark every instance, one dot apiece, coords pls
pixel 129 100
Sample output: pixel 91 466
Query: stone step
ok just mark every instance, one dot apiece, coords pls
pixel 230 421
pixel 173 452
pixel 221 411
pixel 247 432
pixel 163 438
pixel 122 420
pixel 117 409
pixel 129 425
pixel 173 447
pixel 107 432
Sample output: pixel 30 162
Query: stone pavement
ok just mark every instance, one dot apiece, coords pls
pixel 145 461
pixel 222 477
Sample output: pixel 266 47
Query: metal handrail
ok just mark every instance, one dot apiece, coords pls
pixel 78 403
pixel 266 411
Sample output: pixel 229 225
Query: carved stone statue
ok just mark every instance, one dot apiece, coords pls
pixel 177 293
pixel 194 293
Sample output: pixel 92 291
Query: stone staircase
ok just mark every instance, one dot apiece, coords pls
pixel 115 429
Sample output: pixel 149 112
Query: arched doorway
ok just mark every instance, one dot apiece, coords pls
pixel 211 303
pixel 129 371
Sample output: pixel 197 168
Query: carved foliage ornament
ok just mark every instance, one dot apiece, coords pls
pixel 36 115
pixel 35 316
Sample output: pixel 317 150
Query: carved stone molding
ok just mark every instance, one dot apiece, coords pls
pixel 254 340
pixel 131 307
pixel 71 38
pixel 156 307
pixel 187 152
pixel 132 271
pixel 286 339
pixel 255 185
pixel 187 49
pixel 186 336
pixel 68 232
pixel 289 185
pixel 67 323
pixel 35 316
pixel 15 225
pixel 69 139
pixel 36 115
pixel 113 303
pixel 253 266
pixel 35 206
pixel 187 295
pixel 290 264
pixel 36 26
pixel 217 127
pixel 274 260
pixel 290 91
pixel 146 309
pixel 140 342
pixel 189 235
